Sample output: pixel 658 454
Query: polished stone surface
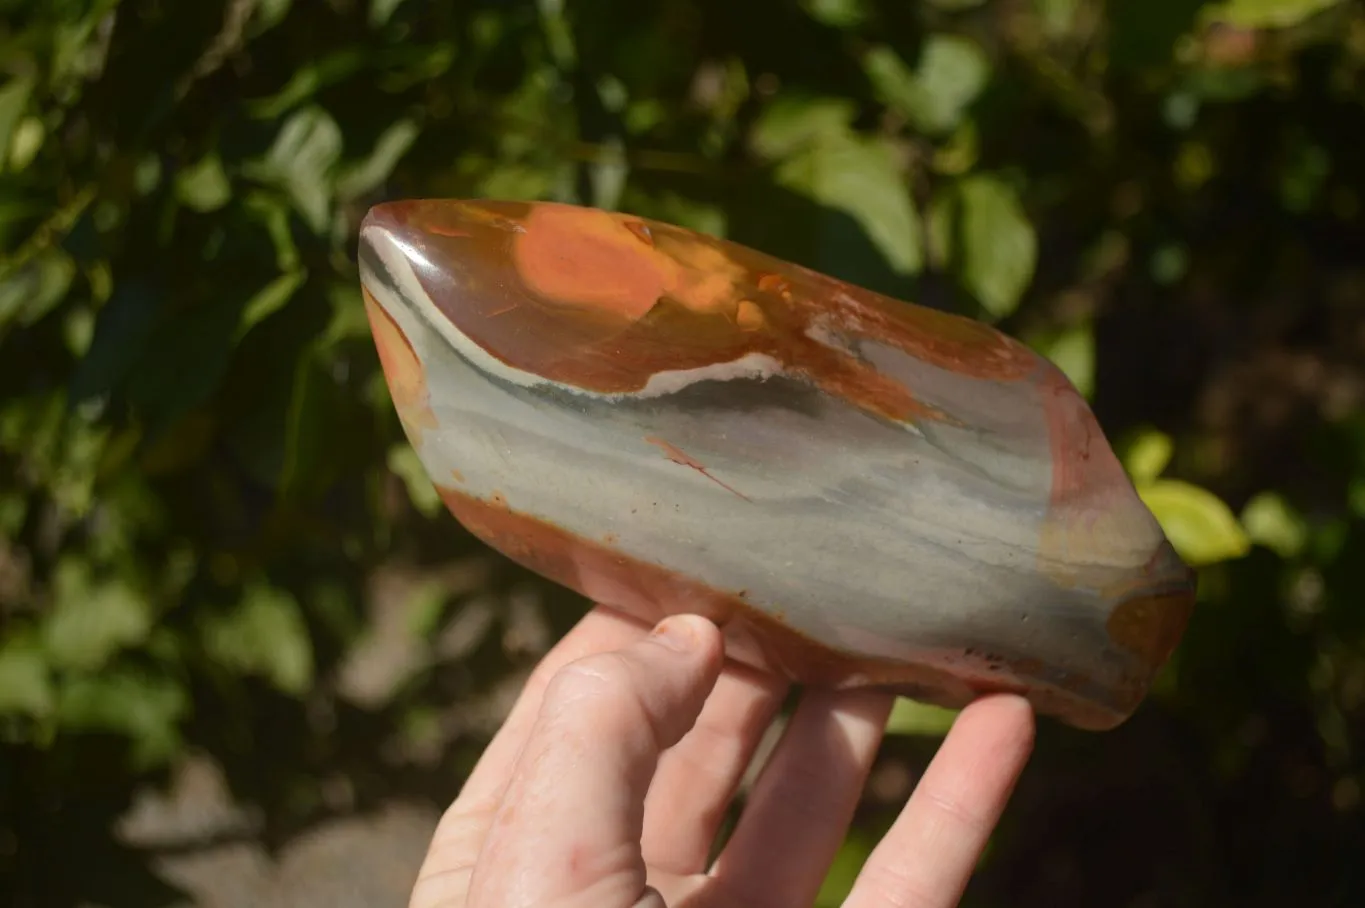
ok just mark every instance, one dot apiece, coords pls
pixel 861 490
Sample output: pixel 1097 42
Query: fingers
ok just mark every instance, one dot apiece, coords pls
pixel 801 806
pixel 568 830
pixel 697 778
pixel 928 857
pixel 444 875
pixel 601 630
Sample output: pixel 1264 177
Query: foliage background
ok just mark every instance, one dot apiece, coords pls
pixel 214 544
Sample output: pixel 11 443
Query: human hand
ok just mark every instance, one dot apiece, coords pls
pixel 607 784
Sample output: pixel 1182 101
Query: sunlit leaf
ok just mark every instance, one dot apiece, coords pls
pixel 25 681
pixel 1147 454
pixel 999 246
pixel 792 123
pixel 368 174
pixel 302 162
pixel 35 288
pixel 910 717
pixel 1271 521
pixel 404 463
pixel 1073 351
pixel 307 81
pixel 91 618
pixel 204 185
pixel 14 98
pixel 861 178
pixel 1267 13
pixel 1200 526
pixel 950 74
pixel 263 636
pixel 837 13
pixel 142 706
pixel 843 871
pixel 381 11
pixel 270 299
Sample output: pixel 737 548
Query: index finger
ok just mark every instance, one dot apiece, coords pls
pixel 928 857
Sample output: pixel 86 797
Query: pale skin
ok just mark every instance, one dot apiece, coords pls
pixel 608 782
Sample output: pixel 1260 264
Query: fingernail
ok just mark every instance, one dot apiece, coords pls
pixel 676 634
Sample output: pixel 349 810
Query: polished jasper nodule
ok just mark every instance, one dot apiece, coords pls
pixel 860 490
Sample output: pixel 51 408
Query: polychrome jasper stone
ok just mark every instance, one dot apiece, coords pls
pixel 859 490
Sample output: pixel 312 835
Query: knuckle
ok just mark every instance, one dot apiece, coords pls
pixel 601 678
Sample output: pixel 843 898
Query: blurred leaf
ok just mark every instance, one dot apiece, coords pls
pixel 836 13
pixel 1147 455
pixel 367 175
pixel 91 620
pixel 14 98
pixel 404 463
pixel 25 684
pixel 204 185
pixel 307 81
pixel 270 13
pixel 1073 351
pixel 381 11
pixel 843 871
pixel 999 247
pixel 122 330
pixel 183 362
pixel 1057 16
pixel 271 298
pixel 952 71
pixel 1197 522
pixel 910 717
pixel 861 178
pixel 31 291
pixel 264 635
pixel 1270 521
pixel 792 123
pixel 301 163
pixel 142 706
pixel 1144 33
pixel 1267 13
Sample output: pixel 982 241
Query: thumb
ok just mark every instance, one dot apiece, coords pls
pixel 568 830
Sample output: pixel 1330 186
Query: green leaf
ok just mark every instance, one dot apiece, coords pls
pixel 836 13
pixel 861 177
pixel 270 13
pixel 1147 455
pixel 999 247
pixel 952 71
pixel 1271 521
pixel 14 98
pixel 1197 522
pixel 141 706
pixel 910 717
pixel 1267 13
pixel 91 620
pixel 1073 351
pixel 35 288
pixel 25 682
pixel 381 11
pixel 404 463
pixel 367 175
pixel 123 329
pixel 843 872
pixel 307 81
pixel 270 299
pixel 792 123
pixel 264 636
pixel 301 163
pixel 204 185
pixel 183 362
